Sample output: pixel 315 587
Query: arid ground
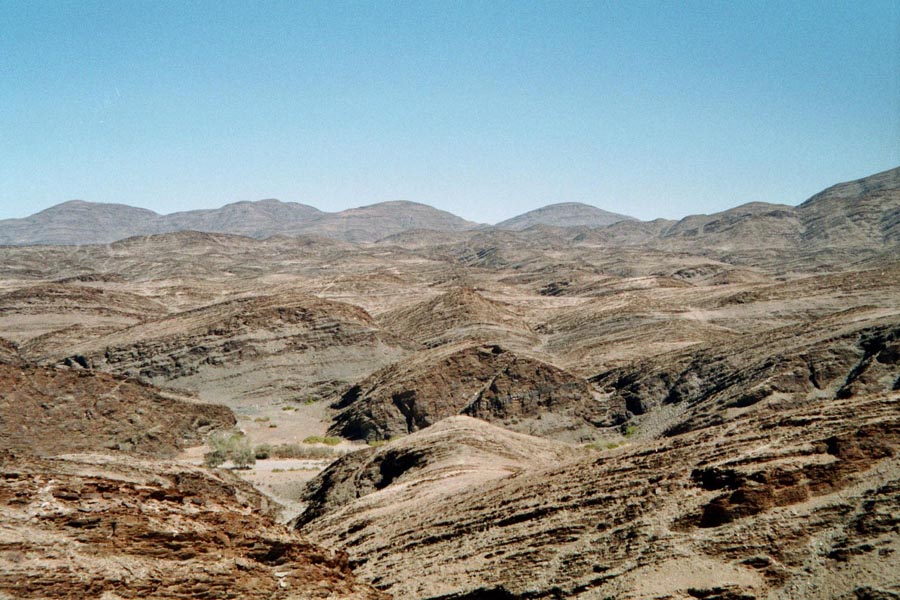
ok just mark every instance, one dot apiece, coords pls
pixel 566 405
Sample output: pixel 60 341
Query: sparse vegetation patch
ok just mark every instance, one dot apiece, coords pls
pixel 328 441
pixel 300 451
pixel 233 446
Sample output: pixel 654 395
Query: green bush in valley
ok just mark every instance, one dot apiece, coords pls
pixel 243 457
pixel 231 446
pixel 214 459
pixel 317 439
pixel 298 451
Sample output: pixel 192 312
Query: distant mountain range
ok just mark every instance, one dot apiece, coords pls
pixel 79 222
pixel 863 212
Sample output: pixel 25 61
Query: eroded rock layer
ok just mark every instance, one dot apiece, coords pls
pixel 801 502
pixel 98 527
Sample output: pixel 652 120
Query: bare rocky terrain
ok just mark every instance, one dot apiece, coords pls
pixel 550 408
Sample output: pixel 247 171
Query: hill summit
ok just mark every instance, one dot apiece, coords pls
pixel 565 214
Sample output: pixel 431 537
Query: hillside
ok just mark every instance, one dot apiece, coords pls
pixel 261 219
pixel 57 411
pixel 78 222
pixel 799 502
pixel 854 220
pixel 371 223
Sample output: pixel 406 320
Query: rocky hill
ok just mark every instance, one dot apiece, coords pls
pixel 565 214
pixel 853 213
pixel 50 317
pixel 488 382
pixel 857 219
pixel 261 219
pixel 798 502
pixel 459 451
pixel 840 356
pixel 458 314
pixel 371 223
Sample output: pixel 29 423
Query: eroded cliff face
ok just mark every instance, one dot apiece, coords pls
pixel 261 347
pixel 117 527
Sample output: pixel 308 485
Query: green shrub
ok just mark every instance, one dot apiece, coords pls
pixel 214 459
pixel 328 441
pixel 377 443
pixel 231 446
pixel 602 445
pixel 224 441
pixel 298 451
pixel 243 457
pixel 262 451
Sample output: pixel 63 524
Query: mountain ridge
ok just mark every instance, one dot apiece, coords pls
pixel 861 213
pixel 78 222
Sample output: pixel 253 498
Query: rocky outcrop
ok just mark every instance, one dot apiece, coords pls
pixel 861 212
pixel 848 354
pixel 48 411
pixel 49 316
pixel 72 299
pixel 95 527
pixel 752 225
pixel 9 353
pixel 488 382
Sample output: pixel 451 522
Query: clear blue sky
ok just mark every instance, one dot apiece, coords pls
pixel 486 109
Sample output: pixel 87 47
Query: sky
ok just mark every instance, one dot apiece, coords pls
pixel 486 109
